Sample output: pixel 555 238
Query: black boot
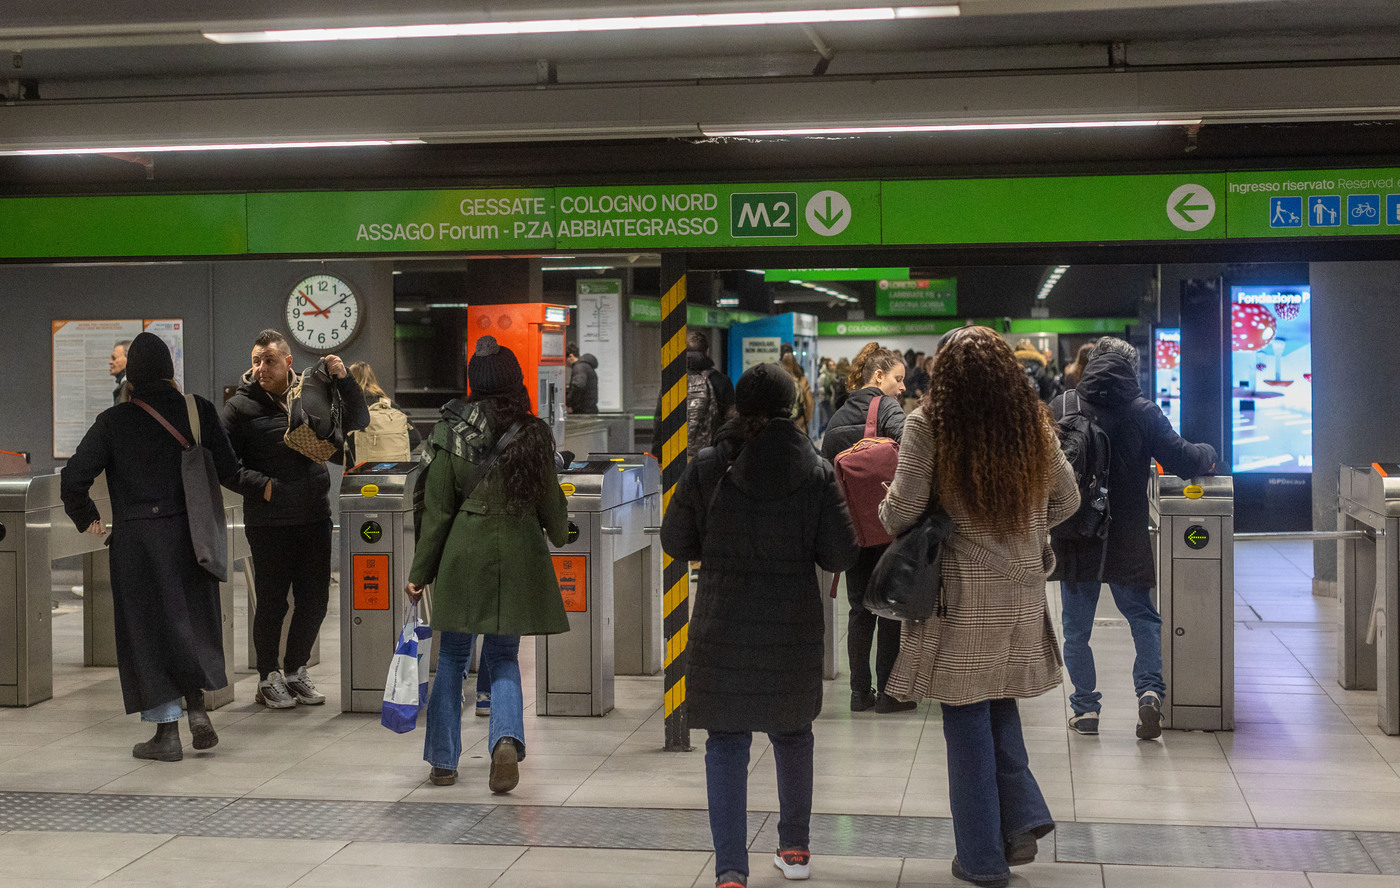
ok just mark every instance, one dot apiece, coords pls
pixel 163 747
pixel 201 729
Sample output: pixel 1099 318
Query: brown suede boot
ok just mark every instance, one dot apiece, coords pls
pixel 163 747
pixel 201 728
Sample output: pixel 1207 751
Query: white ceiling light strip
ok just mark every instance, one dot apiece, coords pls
pixel 234 146
pixel 714 131
pixel 1051 281
pixel 581 25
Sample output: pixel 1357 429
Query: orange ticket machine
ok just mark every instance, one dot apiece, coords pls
pixel 535 331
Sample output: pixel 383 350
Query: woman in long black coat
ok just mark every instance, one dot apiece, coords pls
pixel 169 636
pixel 758 510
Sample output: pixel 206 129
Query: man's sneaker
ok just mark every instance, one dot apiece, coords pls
pixel 299 683
pixel 732 879
pixel 273 692
pixel 1149 726
pixel 1085 723
pixel 483 704
pixel 796 863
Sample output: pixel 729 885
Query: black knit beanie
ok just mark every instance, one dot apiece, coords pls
pixel 493 369
pixel 148 360
pixel 765 390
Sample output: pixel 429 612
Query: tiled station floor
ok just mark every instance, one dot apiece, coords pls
pixel 1305 793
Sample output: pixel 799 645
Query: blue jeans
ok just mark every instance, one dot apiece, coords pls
pixel 1079 601
pixel 991 791
pixel 162 714
pixel 727 783
pixel 442 745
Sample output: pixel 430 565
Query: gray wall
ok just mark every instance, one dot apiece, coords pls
pixel 1356 404
pixel 224 306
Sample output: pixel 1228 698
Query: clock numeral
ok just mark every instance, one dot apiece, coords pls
pixel 301 325
pixel 345 325
pixel 321 339
pixel 296 312
pixel 323 287
pixel 348 312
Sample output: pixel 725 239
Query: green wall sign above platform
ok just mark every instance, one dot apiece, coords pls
pixel 1317 203
pixel 817 275
pixel 916 298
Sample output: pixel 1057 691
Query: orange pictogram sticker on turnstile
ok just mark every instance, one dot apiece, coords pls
pixel 572 573
pixel 371 582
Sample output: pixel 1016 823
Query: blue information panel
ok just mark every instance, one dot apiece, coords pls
pixel 1166 378
pixel 1271 349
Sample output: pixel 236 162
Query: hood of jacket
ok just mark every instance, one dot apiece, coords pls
pixel 696 362
pixel 249 388
pixel 1109 380
pixel 1031 355
pixel 589 360
pixel 463 430
pixel 776 463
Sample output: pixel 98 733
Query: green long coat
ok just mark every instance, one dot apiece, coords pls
pixel 490 569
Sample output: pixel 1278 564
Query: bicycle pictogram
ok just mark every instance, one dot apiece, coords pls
pixel 1363 210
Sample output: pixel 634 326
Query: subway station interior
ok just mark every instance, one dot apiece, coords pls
pixel 1217 183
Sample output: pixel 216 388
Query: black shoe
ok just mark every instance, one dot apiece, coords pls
pixel 505 767
pixel 201 728
pixel 1149 726
pixel 1021 848
pixel 442 776
pixel 163 747
pixel 862 700
pixel 885 703
pixel 998 882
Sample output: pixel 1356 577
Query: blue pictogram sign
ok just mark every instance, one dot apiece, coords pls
pixel 1364 209
pixel 1285 212
pixel 1324 211
pixel 1392 209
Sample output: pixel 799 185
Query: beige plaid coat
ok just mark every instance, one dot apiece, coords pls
pixel 996 639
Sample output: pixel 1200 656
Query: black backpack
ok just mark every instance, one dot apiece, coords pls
pixel 1089 452
pixel 701 411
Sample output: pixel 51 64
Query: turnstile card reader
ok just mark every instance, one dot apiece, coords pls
pixel 376 551
pixel 1196 588
pixel 1368 575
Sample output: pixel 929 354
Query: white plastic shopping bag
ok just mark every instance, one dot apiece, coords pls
pixel 406 691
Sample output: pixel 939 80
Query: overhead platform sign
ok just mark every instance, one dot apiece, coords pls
pixel 1315 203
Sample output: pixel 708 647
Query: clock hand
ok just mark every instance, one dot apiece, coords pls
pixel 319 310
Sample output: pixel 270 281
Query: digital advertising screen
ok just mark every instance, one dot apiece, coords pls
pixel 1271 359
pixel 1166 378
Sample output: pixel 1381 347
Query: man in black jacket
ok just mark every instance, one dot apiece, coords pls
pixel 1137 433
pixel 287 518
pixel 581 396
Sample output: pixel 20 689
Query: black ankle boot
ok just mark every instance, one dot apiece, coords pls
pixel 201 729
pixel 163 747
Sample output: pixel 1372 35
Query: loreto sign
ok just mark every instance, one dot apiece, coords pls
pixel 922 297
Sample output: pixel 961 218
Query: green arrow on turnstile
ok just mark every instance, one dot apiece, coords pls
pixel 1197 537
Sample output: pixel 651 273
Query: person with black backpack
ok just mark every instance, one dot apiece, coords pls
pixel 709 395
pixel 1110 434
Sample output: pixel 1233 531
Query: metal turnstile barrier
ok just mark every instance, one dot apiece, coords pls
pixel 613 553
pixel 1368 575
pixel 377 536
pixel 1195 554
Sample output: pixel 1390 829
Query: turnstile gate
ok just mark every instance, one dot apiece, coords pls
pixel 1368 574
pixel 1195 554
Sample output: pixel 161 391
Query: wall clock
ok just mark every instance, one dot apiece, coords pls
pixel 323 313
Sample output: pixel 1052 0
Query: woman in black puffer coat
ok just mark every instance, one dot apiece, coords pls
pixel 758 510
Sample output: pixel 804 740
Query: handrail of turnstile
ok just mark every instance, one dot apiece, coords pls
pixel 1290 536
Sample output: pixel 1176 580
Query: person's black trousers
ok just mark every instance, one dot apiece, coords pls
pixel 862 624
pixel 295 557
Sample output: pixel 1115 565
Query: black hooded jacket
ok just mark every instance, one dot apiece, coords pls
pixel 1138 433
pixel 582 394
pixel 755 651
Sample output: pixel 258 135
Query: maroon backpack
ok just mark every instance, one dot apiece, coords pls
pixel 862 471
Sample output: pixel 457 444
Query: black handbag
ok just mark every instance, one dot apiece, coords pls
pixel 204 499
pixel 907 583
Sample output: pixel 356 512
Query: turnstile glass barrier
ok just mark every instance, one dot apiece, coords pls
pixel 1368 575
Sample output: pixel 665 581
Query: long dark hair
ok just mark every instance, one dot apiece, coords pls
pixel 993 438
pixel 524 462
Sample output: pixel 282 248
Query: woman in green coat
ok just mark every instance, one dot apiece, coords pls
pixel 483 549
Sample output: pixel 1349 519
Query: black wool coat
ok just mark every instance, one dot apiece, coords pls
pixel 168 629
pixel 847 425
pixel 755 649
pixel 1138 433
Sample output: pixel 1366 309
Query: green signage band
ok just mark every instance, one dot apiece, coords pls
pixel 817 275
pixel 916 298
pixel 1317 203
pixel 648 310
pixel 155 225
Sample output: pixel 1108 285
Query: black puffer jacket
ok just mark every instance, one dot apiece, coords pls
pixel 755 653
pixel 1138 433
pixel 847 424
pixel 582 396
pixel 255 422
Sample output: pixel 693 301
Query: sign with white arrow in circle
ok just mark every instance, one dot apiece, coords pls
pixel 1191 207
pixel 828 213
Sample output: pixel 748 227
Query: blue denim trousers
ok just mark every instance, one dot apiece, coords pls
pixel 1078 602
pixel 500 654
pixel 162 714
pixel 727 784
pixel 991 790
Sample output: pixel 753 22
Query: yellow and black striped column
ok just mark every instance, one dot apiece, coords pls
pixel 670 445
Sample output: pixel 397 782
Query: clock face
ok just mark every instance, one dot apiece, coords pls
pixel 323 313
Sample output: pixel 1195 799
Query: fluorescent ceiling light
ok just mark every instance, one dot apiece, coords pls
pixel 577 267
pixel 577 25
pixel 942 127
pixel 1050 281
pixel 237 146
pixel 449 305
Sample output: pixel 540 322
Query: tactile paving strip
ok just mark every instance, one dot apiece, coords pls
pixel 97 812
pixel 863 835
pixel 428 824
pixel 1213 847
pixel 1384 849
pixel 639 828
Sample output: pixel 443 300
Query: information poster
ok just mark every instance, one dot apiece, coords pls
pixel 82 379
pixel 600 334
pixel 762 350
pixel 1271 359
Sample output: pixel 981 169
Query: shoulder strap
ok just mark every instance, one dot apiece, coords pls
pixel 1076 408
pixel 485 466
pixel 194 418
pixel 184 445
pixel 872 416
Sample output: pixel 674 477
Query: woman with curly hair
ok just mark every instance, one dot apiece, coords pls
pixel 983 447
pixel 483 549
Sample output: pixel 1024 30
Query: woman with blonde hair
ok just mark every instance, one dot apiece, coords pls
pixel 983 447
pixel 390 436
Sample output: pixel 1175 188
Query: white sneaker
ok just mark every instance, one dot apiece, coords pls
pixel 796 863
pixel 301 686
pixel 273 692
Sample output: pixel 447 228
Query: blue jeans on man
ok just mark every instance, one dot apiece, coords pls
pixel 727 785
pixel 500 654
pixel 1079 601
